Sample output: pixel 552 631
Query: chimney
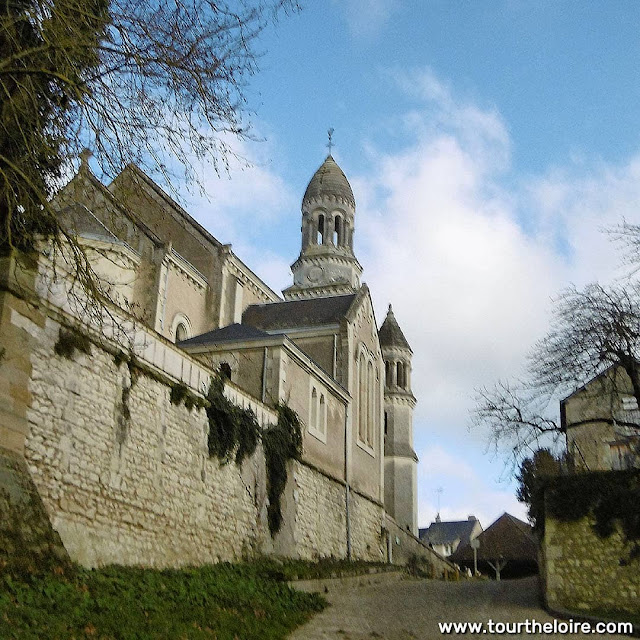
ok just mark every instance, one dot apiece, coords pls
pixel 472 518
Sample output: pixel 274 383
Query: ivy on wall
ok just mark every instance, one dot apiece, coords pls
pixel 234 434
pixel 70 341
pixel 612 498
pixel 281 442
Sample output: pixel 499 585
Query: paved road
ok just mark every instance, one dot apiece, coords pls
pixel 408 609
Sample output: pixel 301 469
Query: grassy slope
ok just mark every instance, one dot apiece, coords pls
pixel 243 601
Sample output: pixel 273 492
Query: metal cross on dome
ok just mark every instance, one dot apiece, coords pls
pixel 330 143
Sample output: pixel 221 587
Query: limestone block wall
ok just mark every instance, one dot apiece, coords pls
pixel 125 475
pixel 367 518
pixel 320 518
pixel 582 571
pixel 321 521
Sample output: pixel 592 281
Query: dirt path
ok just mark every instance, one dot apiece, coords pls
pixel 411 609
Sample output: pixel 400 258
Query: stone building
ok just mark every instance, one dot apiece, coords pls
pixel 602 423
pixel 117 483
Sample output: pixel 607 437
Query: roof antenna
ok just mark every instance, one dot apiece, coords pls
pixel 330 144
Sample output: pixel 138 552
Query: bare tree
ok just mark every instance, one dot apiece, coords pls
pixel 594 330
pixel 134 81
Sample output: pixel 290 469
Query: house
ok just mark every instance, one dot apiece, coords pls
pixel 601 421
pixel 446 537
pixel 507 548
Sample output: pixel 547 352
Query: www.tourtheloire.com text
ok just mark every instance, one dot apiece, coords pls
pixel 533 626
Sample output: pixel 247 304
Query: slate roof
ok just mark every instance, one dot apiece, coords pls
pixel 313 312
pixel 390 334
pixel 448 532
pixel 329 179
pixel 507 537
pixel 231 333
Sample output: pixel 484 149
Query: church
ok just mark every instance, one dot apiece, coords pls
pixel 317 346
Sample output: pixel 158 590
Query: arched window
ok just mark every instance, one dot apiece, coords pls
pixel 370 405
pixel 180 328
pixel 182 333
pixel 322 415
pixel 337 231
pixel 362 398
pixel 320 236
pixel 314 409
pixel 225 370
pixel 387 373
pixel 400 374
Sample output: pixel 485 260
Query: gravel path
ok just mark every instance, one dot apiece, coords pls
pixel 411 609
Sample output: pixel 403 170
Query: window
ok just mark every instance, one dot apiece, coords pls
pixel 337 232
pixel 320 236
pixel 322 414
pixel 180 328
pixel 225 370
pixel 368 396
pixel 314 409
pixel 387 373
pixel 371 410
pixel 318 414
pixel 400 375
pixel 362 399
pixel 182 333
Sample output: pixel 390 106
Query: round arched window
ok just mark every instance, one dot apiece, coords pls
pixel 182 333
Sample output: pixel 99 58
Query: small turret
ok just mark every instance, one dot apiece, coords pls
pixel 400 460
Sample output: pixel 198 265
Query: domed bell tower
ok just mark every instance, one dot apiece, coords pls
pixel 400 459
pixel 326 265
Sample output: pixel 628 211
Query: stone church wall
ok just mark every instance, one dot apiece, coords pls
pixel 124 473
pixel 125 476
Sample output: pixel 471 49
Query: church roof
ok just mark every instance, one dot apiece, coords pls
pixel 329 179
pixel 230 333
pixel 390 334
pixel 312 312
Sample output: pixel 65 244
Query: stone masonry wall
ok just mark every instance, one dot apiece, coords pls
pixel 125 474
pixel 582 571
pixel 320 522
pixel 126 478
pixel 366 518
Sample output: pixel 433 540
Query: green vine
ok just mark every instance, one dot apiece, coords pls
pixel 611 497
pixel 234 432
pixel 282 442
pixel 69 342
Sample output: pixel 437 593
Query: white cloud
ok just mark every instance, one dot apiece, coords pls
pixel 470 262
pixel 471 256
pixel 366 18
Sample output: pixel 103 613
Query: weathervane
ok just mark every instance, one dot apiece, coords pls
pixel 330 144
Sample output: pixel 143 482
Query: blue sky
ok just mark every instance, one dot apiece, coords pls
pixel 487 144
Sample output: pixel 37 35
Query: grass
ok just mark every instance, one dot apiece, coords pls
pixel 224 601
